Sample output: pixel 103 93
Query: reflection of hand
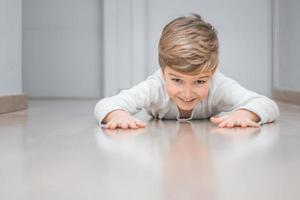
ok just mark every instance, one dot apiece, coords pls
pixel 123 131
pixel 239 118
pixel 236 130
pixel 122 119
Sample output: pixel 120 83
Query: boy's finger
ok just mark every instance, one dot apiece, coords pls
pixel 107 125
pixel 244 124
pixel 213 120
pixel 140 124
pixel 231 124
pixel 133 125
pixel 124 125
pixel 217 120
pixel 113 125
pixel 223 124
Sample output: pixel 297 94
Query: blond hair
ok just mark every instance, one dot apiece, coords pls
pixel 189 45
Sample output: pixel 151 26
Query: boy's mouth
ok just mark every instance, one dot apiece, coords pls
pixel 187 100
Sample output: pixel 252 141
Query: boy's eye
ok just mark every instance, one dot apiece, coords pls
pixel 176 80
pixel 199 82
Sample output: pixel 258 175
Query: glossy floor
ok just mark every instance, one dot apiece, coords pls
pixel 56 150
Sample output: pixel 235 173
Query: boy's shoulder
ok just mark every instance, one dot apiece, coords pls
pixel 156 78
pixel 220 82
pixel 219 78
pixel 157 74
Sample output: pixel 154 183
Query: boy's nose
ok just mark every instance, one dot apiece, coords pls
pixel 187 93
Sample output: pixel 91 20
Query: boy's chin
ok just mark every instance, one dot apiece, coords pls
pixel 185 107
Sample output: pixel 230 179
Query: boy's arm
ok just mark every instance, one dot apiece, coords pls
pixel 132 100
pixel 228 96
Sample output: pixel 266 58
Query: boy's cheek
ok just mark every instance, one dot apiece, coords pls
pixel 203 92
pixel 172 90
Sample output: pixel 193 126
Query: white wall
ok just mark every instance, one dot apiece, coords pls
pixel 124 44
pixel 10 47
pixel 245 33
pixel 62 48
pixel 287 71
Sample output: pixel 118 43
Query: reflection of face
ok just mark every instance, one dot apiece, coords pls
pixel 186 90
pixel 188 170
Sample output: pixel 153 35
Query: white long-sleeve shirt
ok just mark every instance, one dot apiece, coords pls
pixel 225 95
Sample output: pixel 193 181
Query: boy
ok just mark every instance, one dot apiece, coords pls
pixel 188 85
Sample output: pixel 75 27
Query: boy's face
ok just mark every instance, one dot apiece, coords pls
pixel 186 90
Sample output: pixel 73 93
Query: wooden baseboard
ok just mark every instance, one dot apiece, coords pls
pixel 13 103
pixel 287 96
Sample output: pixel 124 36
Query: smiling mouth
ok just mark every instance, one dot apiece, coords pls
pixel 187 100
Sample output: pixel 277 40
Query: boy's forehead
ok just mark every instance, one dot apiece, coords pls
pixel 187 75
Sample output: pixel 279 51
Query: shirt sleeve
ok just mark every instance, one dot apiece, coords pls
pixel 228 95
pixel 132 100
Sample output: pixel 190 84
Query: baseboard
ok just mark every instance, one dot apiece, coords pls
pixel 287 96
pixel 13 103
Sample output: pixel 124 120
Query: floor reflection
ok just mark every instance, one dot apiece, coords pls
pixel 134 160
pixel 51 152
pixel 239 142
pixel 174 152
pixel 187 160
pixel 145 146
pixel 12 126
pixel 188 172
pixel 244 160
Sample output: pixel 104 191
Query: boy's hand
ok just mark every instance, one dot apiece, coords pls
pixel 122 119
pixel 239 118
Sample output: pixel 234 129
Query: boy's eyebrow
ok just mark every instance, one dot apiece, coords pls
pixel 205 76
